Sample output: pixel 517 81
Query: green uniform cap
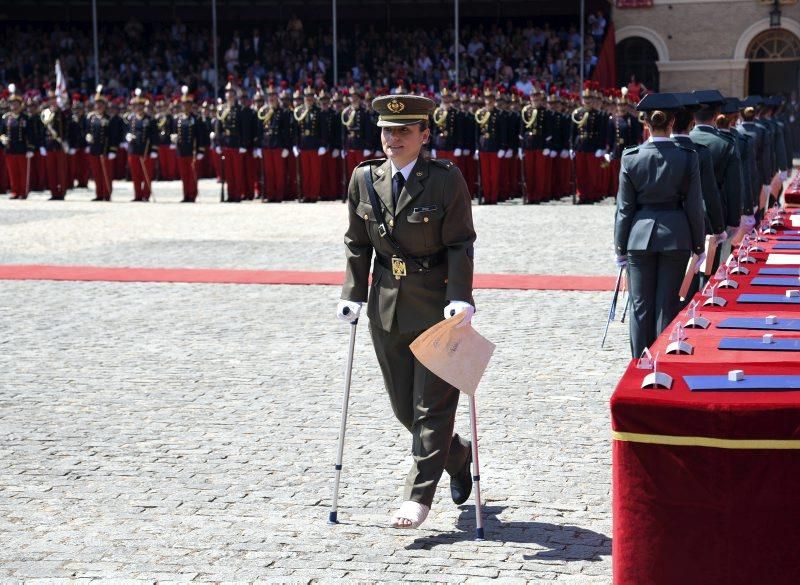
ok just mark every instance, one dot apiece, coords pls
pixel 402 110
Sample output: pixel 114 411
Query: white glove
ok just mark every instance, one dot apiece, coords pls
pixel 296 151
pixel 599 152
pixel 285 153
pixel 172 146
pixel 457 307
pixel 366 153
pixel 433 153
pixel 564 153
pixel 621 261
pixel 509 153
pixel 86 150
pixel 572 154
pixel 42 151
pixel 212 135
pixel 173 138
pixel 154 154
pixel 71 151
pixel 321 150
pixel 112 155
pixel 748 221
pixel 29 154
pixel 721 237
pixel 520 154
pixel 477 155
pixel 348 311
pixel 130 137
pixel 124 145
pixel 344 153
pixel 242 150
pixel 700 259
pixel 457 152
pixel 218 150
pixel 783 175
pixel 257 152
pixel 501 153
pixel 335 153
pixel 607 156
pixel 553 154
pixel 200 156
pixel 89 138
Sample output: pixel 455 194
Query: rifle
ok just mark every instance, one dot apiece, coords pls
pixel 612 311
pixel 222 177
pixel 298 178
pixel 523 184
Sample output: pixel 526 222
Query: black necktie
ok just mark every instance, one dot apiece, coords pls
pixel 398 184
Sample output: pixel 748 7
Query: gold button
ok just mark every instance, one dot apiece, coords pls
pixel 425 220
pixel 366 216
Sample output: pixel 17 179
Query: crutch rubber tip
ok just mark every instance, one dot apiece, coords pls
pixel 479 534
pixel 332 518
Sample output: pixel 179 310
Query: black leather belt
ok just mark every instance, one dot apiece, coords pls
pixel 671 206
pixel 427 262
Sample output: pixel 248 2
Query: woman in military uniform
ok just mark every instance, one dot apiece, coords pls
pixel 659 221
pixel 415 214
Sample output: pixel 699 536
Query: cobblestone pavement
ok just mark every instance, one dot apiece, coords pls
pixel 175 432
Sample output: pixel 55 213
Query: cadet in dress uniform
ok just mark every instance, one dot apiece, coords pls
pixel 358 134
pixel 659 221
pixel 726 124
pixel 491 131
pixel 727 164
pixel 426 208
pixel 142 138
pixel 38 174
pixel 561 184
pixel 118 128
pixel 55 123
pixel 310 145
pixel 444 132
pixel 102 147
pixel 590 126
pixel 15 134
pixel 191 141
pixel 763 148
pixel 230 135
pixel 167 163
pixel 77 155
pixel 276 141
pixel 536 127
pixel 330 139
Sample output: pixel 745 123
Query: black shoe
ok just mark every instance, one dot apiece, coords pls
pixel 461 482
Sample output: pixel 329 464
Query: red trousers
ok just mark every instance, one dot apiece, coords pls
pixel 274 174
pixel 38 180
pixel 589 177
pixel 311 174
pixel 120 164
pixel 233 162
pixel 330 185
pixel 4 185
pixel 101 171
pixel 187 167
pixel 214 162
pixel 562 176
pixel 353 159
pixel 469 168
pixel 78 167
pixel 614 166
pixel 292 168
pixel 18 167
pixel 141 176
pixel 537 176
pixel 251 175
pixel 56 162
pixel 490 176
pixel 168 163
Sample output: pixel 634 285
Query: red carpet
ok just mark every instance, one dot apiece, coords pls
pixel 228 276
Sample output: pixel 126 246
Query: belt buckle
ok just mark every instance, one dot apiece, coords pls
pixel 398 267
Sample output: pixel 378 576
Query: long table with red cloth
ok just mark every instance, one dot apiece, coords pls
pixel 706 484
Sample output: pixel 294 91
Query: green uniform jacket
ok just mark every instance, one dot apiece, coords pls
pixel 433 219
pixel 653 177
pixel 727 170
pixel 715 221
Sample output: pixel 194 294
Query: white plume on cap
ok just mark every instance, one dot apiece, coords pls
pixel 184 89
pixel 12 88
pixel 99 88
pixel 137 92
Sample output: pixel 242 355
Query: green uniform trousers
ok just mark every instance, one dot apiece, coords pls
pixel 426 405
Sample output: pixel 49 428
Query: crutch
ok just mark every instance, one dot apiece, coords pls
pixel 348 373
pixel 476 469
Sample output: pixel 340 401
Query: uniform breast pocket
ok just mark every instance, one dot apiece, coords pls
pixel 428 220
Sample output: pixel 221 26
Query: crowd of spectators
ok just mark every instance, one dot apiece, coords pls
pixel 161 59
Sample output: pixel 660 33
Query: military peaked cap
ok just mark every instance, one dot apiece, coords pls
pixel 402 109
pixel 658 101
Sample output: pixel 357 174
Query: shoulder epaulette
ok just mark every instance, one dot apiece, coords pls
pixel 630 150
pixel 372 161
pixel 444 163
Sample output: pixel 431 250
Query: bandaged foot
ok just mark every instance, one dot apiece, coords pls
pixel 410 515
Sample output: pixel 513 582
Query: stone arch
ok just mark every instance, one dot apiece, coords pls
pixel 649 35
pixel 758 27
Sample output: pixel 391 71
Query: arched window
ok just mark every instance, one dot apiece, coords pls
pixel 637 56
pixel 774 45
pixel 774 62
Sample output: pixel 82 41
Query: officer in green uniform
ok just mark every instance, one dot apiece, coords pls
pixel 659 221
pixel 414 215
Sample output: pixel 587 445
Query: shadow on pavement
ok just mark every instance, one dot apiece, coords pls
pixel 565 543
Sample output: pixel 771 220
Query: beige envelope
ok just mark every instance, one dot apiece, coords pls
pixel 458 355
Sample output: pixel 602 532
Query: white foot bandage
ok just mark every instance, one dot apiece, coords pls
pixel 411 511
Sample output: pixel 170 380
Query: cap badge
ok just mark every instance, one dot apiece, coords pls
pixel 395 106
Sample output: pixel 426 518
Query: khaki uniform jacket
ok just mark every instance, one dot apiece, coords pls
pixel 433 219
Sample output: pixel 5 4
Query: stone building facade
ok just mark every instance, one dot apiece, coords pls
pixel 731 45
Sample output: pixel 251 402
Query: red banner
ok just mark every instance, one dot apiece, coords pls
pixel 634 3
